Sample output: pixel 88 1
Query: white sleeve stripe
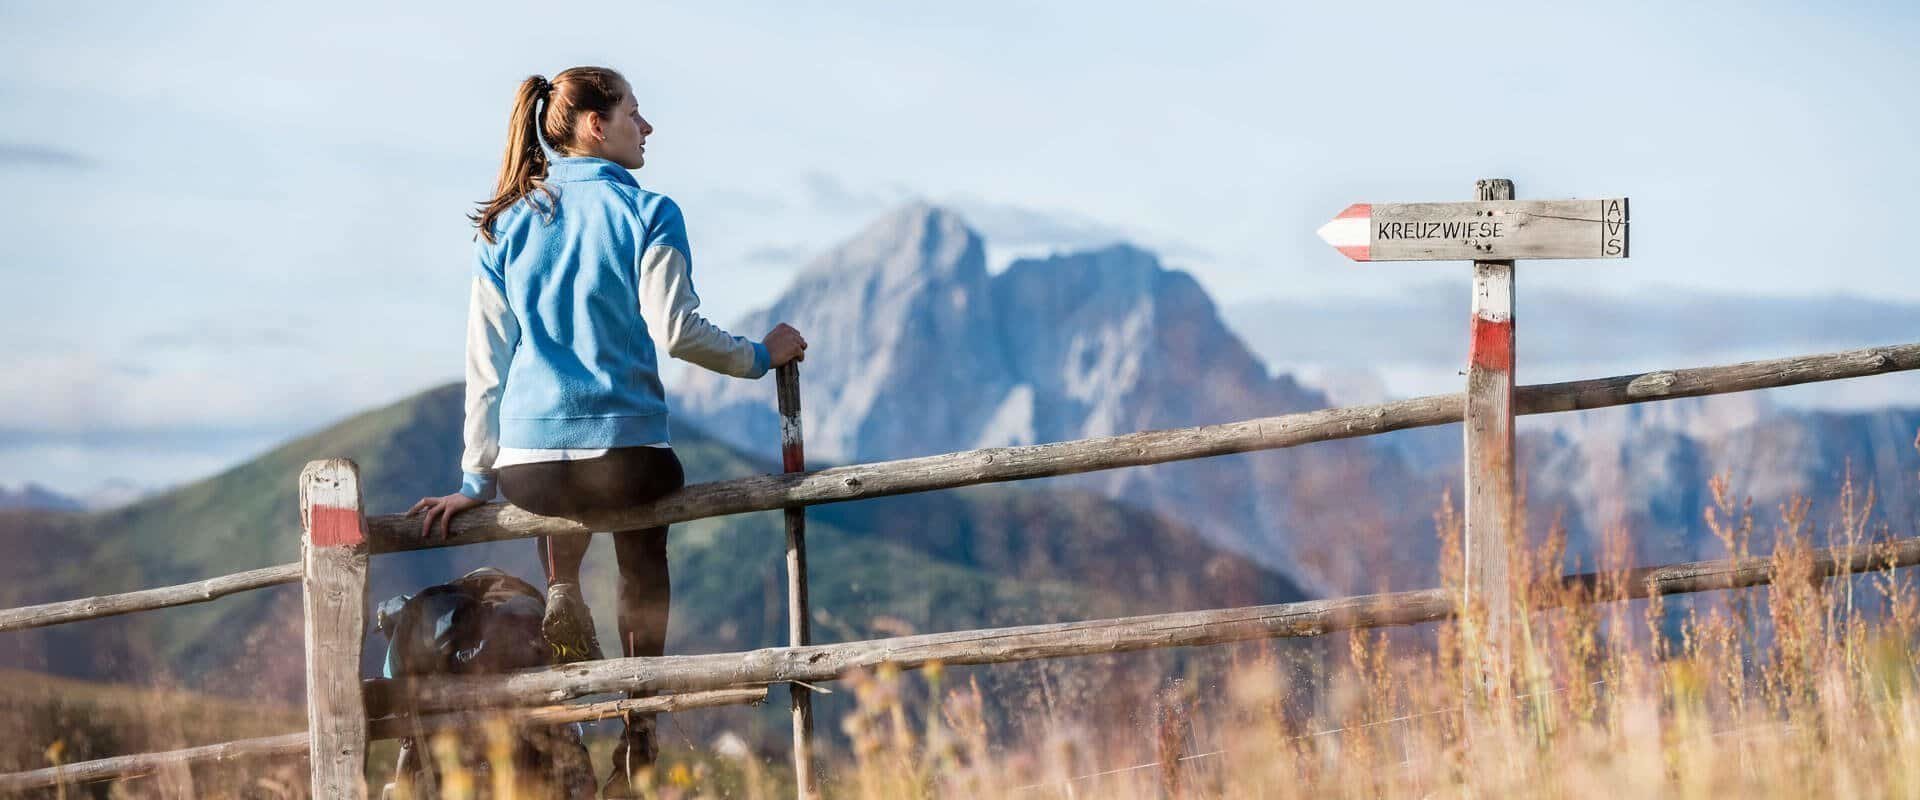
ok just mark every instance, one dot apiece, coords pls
pixel 669 305
pixel 492 333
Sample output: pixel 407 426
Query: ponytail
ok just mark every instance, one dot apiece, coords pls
pixel 544 110
pixel 524 167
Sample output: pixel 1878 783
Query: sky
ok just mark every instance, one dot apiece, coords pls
pixel 228 223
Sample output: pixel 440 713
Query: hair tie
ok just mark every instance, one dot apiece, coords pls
pixel 542 85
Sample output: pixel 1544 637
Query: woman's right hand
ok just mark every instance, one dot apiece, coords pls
pixel 784 344
pixel 440 513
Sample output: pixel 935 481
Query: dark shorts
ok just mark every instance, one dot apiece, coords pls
pixel 623 478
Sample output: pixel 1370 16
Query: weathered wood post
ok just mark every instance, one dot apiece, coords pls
pixel 334 588
pixel 799 629
pixel 1490 494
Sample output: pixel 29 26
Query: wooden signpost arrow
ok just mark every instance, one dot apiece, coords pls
pixel 1491 231
pixel 1497 230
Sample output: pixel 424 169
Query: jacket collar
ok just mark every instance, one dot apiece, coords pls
pixel 568 169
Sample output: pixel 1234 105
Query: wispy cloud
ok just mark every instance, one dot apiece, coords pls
pixel 777 255
pixel 20 154
pixel 828 194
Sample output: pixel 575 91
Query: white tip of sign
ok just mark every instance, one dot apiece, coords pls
pixel 1349 233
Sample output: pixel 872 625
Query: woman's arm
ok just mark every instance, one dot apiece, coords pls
pixel 670 305
pixel 492 333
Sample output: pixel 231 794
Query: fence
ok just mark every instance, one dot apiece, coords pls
pixel 345 712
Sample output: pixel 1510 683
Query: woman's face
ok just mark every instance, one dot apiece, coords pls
pixel 623 133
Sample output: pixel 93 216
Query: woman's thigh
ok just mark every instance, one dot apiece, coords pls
pixel 623 478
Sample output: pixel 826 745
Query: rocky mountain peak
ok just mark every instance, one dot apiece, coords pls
pixel 913 245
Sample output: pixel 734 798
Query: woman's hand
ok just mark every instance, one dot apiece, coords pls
pixel 441 510
pixel 784 344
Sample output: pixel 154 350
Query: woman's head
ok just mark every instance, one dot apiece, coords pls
pixel 583 111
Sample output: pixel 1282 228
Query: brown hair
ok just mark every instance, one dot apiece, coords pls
pixel 524 167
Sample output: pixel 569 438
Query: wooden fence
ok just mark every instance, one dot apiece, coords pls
pixel 345 711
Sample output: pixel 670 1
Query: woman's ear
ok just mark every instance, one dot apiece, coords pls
pixel 595 125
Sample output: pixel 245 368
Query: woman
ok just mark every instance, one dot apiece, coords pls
pixel 578 271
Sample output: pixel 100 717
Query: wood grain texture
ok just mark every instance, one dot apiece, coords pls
pixel 296 744
pixel 1127 634
pixel 1498 229
pixel 291 744
pixel 334 558
pixel 1491 508
pixel 499 521
pixel 15 619
pixel 799 626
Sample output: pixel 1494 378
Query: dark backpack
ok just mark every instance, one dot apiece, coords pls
pixel 485 622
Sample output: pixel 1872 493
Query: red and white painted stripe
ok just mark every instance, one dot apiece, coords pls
pixel 1351 232
pixel 1492 345
pixel 332 500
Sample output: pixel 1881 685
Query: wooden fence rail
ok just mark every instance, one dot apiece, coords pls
pixel 495 522
pixel 396 532
pixel 14 619
pixel 293 744
pixel 342 560
pixel 1125 634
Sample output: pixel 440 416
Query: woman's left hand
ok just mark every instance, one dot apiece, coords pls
pixel 441 510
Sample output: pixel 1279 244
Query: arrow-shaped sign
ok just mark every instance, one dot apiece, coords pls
pixel 1495 230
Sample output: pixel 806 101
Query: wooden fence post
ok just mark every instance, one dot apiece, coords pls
pixel 1490 504
pixel 334 587
pixel 799 629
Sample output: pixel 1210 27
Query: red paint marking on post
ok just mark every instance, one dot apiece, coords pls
pixel 336 527
pixel 791 457
pixel 1492 347
pixel 1357 210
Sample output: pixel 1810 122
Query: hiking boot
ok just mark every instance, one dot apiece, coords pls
pixel 633 758
pixel 568 625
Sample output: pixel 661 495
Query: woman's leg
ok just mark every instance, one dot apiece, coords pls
pixel 646 595
pixel 552 488
pixel 562 555
pixel 646 590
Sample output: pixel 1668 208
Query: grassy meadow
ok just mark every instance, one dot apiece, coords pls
pixel 1802 688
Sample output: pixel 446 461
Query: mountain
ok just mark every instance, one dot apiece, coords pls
pixel 1645 469
pixel 985 556
pixel 914 349
pixel 35 496
pixel 1413 341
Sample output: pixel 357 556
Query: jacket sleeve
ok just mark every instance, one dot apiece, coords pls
pixel 492 334
pixel 670 306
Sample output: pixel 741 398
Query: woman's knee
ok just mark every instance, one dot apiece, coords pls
pixel 644 546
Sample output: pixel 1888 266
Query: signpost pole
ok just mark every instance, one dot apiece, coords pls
pixel 1491 230
pixel 799 631
pixel 1491 509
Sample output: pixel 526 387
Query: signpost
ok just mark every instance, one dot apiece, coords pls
pixel 1499 230
pixel 1491 231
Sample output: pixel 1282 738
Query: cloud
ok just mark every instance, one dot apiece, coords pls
pixel 827 194
pixel 35 155
pixel 1416 340
pixel 1009 225
pixel 221 337
pixel 1026 229
pixel 777 255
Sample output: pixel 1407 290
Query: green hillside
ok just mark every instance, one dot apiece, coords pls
pixel 984 556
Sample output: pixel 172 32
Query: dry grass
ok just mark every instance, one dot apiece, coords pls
pixel 1804 688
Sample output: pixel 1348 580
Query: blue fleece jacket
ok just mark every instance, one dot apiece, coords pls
pixel 566 304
